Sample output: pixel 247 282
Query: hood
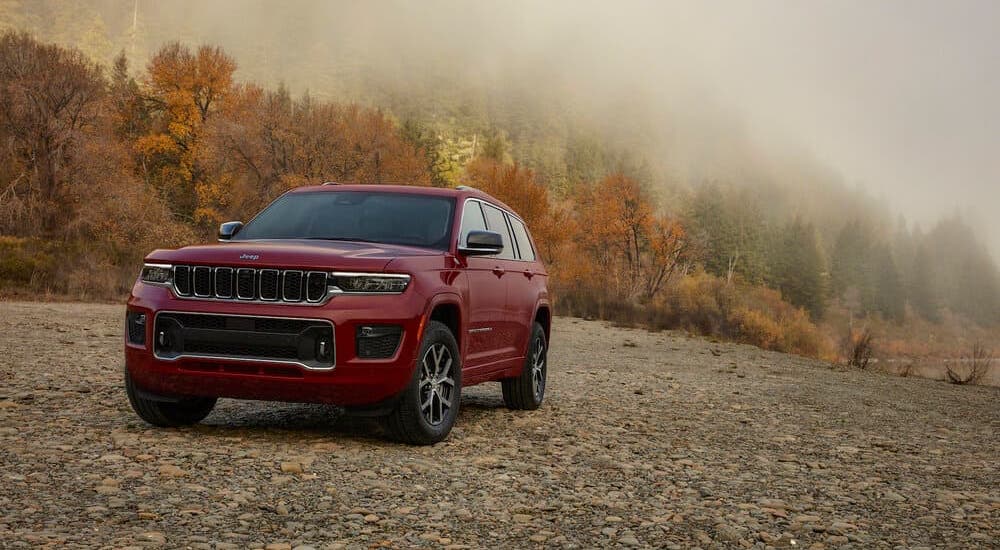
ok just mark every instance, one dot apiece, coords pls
pixel 291 254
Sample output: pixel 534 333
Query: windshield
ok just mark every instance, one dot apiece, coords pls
pixel 367 216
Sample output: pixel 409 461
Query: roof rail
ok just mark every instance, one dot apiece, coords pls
pixel 330 183
pixel 466 188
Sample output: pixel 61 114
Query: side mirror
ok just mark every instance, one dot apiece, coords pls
pixel 228 229
pixel 482 243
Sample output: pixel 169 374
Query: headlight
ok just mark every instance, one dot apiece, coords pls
pixel 157 274
pixel 369 283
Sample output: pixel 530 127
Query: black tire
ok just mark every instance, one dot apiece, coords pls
pixel 167 413
pixel 428 407
pixel 526 392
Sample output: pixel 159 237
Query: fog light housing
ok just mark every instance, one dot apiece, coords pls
pixel 135 327
pixel 378 341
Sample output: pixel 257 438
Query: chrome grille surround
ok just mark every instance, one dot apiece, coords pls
pixel 244 284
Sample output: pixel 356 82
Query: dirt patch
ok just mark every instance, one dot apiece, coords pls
pixel 646 439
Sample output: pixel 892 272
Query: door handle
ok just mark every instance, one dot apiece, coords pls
pixel 529 273
pixel 499 271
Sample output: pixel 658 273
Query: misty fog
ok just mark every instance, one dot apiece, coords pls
pixel 897 98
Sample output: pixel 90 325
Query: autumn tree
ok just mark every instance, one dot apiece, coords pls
pixel 516 186
pixel 50 97
pixel 265 142
pixel 184 89
pixel 669 252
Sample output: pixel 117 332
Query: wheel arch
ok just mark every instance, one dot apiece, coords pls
pixel 446 309
pixel 543 316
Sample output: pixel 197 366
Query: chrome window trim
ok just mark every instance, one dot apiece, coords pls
pixel 333 328
pixel 458 240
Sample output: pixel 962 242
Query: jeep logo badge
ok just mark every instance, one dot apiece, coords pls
pixel 252 257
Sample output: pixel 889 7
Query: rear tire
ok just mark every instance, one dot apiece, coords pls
pixel 167 413
pixel 526 392
pixel 428 407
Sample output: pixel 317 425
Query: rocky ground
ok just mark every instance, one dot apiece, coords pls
pixel 645 440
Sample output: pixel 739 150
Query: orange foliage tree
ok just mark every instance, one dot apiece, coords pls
pixel 184 90
pixel 636 250
pixel 265 143
pixel 516 186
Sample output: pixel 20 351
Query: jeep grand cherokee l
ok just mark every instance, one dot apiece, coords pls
pixel 382 300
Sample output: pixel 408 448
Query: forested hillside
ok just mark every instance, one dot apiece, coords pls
pixel 125 131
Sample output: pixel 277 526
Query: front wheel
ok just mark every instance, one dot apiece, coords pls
pixel 526 392
pixel 428 407
pixel 167 413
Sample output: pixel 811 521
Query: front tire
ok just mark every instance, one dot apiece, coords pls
pixel 526 392
pixel 428 407
pixel 164 413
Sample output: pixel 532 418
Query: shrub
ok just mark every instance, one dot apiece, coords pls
pixel 24 261
pixel 978 365
pixel 860 348
pixel 704 304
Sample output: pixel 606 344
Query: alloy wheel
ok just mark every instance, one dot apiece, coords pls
pixel 437 386
pixel 538 368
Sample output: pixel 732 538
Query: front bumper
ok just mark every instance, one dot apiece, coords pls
pixel 349 381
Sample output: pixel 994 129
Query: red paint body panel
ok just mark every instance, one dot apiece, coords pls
pixel 506 305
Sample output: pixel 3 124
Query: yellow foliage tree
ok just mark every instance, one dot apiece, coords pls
pixel 185 89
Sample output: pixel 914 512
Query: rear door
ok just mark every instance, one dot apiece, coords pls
pixel 505 265
pixel 523 286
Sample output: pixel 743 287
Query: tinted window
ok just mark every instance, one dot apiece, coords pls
pixel 523 242
pixel 367 216
pixel 472 220
pixel 495 220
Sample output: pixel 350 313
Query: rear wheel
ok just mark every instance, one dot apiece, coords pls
pixel 526 392
pixel 164 412
pixel 429 405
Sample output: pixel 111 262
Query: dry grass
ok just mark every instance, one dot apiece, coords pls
pixel 703 304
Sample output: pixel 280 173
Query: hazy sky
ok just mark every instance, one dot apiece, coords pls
pixel 901 97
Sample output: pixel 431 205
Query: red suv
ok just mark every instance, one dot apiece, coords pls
pixel 383 300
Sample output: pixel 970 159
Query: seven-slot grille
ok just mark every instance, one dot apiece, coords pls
pixel 268 285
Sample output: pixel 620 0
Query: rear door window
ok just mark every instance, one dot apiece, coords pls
pixel 523 242
pixel 496 222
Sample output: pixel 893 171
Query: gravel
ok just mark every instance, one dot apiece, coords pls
pixel 645 440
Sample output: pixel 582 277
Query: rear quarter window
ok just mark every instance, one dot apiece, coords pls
pixel 497 223
pixel 523 242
